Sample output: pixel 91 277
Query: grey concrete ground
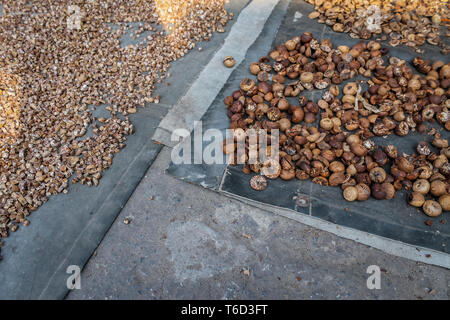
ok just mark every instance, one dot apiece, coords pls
pixel 186 242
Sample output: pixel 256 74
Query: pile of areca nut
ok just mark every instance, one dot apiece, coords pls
pixel 332 140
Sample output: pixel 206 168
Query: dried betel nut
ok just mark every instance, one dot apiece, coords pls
pixel 229 61
pixel 258 182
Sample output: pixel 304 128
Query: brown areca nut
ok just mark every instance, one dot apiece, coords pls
pixel 353 138
pixel 363 191
pixel 229 61
pixel 377 175
pixel 389 189
pixel 423 148
pixel 337 178
pixel 264 87
pixel 391 151
pixel 290 45
pixel 283 105
pixel 285 124
pixel 271 169
pixel 258 183
pixel 301 174
pixel 254 68
pixel 350 182
pixel 306 37
pixel 425 172
pixel 337 166
pixel 402 129
pixel 297 115
pixel 350 193
pixel 273 114
pixel 421 186
pixel 378 192
pixel 306 77
pixel 439 142
pixel 287 174
pixel 310 117
pixel 438 188
pixel 351 170
pixel 363 177
pixel 380 157
pixel 228 101
pixel 247 84
pixel 263 75
pixel 432 208
pixel 416 199
pixel 444 201
pixel 407 184
pixel 326 124
pixel 440 161
pixel 358 149
pixel 405 164
pixel 320 181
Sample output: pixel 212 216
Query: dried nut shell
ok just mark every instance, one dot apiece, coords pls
pixel 358 149
pixel 405 164
pixel 337 166
pixel 389 189
pixel 350 193
pixel 320 181
pixel 439 142
pixel 377 191
pixel 271 169
pixel 416 199
pixel 301 174
pixel 425 172
pixel 444 201
pixel 350 89
pixel 438 188
pixel 380 157
pixel 422 186
pixel 306 77
pixel 228 61
pixel 287 174
pixel 337 178
pixel 254 68
pixel 247 84
pixel 314 15
pixel 391 151
pixel 258 183
pixel 290 45
pixel 326 124
pixel 436 19
pixel 363 191
pixel 423 148
pixel 432 208
pixel 285 124
pixel 377 175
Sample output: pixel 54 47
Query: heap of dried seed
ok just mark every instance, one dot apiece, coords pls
pixel 412 23
pixel 329 140
pixel 52 71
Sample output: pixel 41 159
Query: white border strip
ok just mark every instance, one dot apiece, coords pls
pixel 387 245
pixel 211 80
